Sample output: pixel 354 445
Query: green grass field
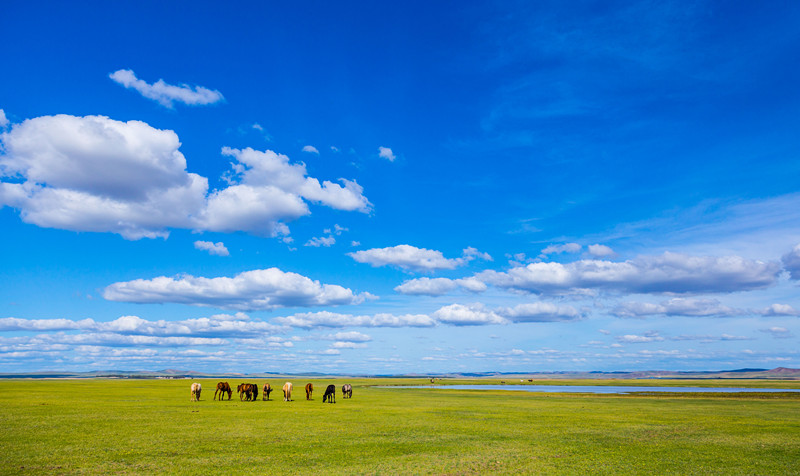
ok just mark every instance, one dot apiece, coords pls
pixel 150 426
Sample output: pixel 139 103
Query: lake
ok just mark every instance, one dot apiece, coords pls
pixel 598 389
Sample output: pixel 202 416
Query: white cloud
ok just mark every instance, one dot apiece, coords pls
pixel 96 174
pixel 217 326
pixel 471 253
pixel 3 119
pixel 540 312
pixel 413 258
pixel 310 149
pixel 637 339
pixel 564 248
pixel 600 250
pixel 780 310
pixel 270 171
pixel 348 345
pixel 426 287
pixel 667 273
pixel 326 241
pixel 217 249
pixel 386 153
pixel 262 289
pixel 439 286
pixel 166 94
pixel 677 307
pixel 352 336
pixel 330 319
pixel 468 315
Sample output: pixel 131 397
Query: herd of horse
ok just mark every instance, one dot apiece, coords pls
pixel 248 392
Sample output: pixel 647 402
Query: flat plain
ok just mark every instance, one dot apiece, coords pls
pixel 131 426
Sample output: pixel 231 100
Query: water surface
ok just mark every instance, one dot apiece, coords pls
pixel 598 388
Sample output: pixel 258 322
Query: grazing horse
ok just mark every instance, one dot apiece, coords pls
pixel 330 394
pixel 247 392
pixel 287 392
pixel 196 389
pixel 223 387
pixel 309 391
pixel 267 391
pixel 347 391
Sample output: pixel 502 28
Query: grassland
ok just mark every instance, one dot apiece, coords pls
pixel 149 426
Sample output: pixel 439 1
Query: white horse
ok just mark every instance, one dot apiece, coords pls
pixel 287 392
pixel 196 389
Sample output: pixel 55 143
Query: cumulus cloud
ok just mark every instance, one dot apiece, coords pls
pixel 540 312
pixel 386 153
pixel 677 307
pixel 438 286
pixel 262 289
pixel 600 250
pixel 331 319
pixel 413 258
pixel 780 310
pixel 217 249
pixel 310 149
pixel 468 315
pixel 667 273
pixel 97 174
pixel 267 170
pixel 166 94
pixel 3 119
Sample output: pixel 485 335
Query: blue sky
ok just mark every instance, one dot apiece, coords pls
pixel 361 187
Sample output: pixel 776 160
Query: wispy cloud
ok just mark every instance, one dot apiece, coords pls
pixel 167 94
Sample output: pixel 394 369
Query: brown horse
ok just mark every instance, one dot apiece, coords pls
pixel 223 387
pixel 309 391
pixel 247 392
pixel 267 391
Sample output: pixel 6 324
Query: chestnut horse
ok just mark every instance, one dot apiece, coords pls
pixel 309 391
pixel 267 391
pixel 223 387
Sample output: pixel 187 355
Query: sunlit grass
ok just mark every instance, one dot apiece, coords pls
pixel 150 426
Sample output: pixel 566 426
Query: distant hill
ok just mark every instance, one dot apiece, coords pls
pixel 781 373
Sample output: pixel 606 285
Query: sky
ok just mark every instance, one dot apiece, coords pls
pixel 381 188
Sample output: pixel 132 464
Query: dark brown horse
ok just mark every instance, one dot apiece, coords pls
pixel 309 391
pixel 330 394
pixel 347 391
pixel 247 391
pixel 223 387
pixel 267 391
